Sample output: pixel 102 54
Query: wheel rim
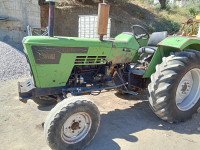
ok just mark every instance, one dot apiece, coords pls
pixel 76 127
pixel 188 91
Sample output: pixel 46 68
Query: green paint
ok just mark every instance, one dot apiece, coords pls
pixel 143 42
pixel 171 44
pixel 180 42
pixel 122 50
pixel 175 42
pixel 157 59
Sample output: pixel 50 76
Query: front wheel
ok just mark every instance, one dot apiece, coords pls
pixel 175 86
pixel 72 124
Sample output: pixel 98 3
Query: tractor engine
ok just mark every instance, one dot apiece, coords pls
pixel 107 75
pixel 87 74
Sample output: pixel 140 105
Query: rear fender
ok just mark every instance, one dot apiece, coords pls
pixel 171 44
pixel 181 42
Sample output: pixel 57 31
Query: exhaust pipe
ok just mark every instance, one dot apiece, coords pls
pixel 103 16
pixel 51 16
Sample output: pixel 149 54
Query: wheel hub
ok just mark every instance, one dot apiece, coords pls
pixel 187 94
pixel 76 127
pixel 185 87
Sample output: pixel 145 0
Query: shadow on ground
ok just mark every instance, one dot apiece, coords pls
pixel 122 124
pixel 143 95
pixel 125 123
pixel 47 108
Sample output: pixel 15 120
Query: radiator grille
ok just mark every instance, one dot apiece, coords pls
pixel 82 60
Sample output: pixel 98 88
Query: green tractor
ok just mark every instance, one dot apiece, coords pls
pixel 168 66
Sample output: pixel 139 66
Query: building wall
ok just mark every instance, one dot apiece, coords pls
pixel 182 3
pixel 179 3
pixel 19 14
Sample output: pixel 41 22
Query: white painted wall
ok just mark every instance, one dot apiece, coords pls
pixel 24 12
pixel 179 3
pixel 157 1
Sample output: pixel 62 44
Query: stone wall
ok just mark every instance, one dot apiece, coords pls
pixel 122 18
pixel 15 15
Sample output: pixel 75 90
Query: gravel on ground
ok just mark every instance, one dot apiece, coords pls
pixel 13 64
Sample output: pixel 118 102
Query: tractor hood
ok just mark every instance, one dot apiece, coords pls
pixel 65 41
pixel 122 40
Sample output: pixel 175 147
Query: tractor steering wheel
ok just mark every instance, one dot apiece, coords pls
pixel 139 32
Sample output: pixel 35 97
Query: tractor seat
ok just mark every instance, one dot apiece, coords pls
pixel 154 39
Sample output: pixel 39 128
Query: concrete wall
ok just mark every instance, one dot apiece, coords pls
pixel 122 18
pixel 20 13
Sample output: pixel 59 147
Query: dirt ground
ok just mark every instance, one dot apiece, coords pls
pixel 127 123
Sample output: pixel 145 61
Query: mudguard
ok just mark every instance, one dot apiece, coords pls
pixel 168 45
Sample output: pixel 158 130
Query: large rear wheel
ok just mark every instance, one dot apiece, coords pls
pixel 175 86
pixel 72 124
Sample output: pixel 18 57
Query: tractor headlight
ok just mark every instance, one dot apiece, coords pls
pixel 24 39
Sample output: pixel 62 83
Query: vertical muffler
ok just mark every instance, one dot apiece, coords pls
pixel 103 17
pixel 51 16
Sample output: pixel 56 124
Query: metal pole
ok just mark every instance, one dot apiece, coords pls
pixel 51 19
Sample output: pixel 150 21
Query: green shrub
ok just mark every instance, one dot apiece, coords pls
pixel 165 25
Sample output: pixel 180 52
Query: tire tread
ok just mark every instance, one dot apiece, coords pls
pixel 162 81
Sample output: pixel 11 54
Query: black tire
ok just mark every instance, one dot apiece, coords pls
pixel 45 101
pixel 164 84
pixel 61 113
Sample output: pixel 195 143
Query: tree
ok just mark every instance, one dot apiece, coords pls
pixel 163 4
